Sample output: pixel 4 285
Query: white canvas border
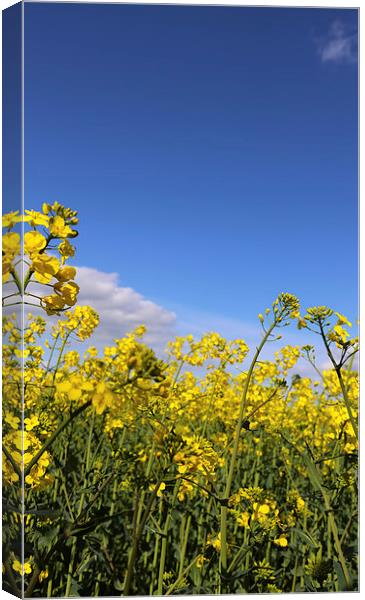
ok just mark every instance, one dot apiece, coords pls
pixel 284 3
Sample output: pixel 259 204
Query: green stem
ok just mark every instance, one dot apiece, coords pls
pixel 316 479
pixel 347 401
pixel 224 508
pixel 294 582
pixel 164 541
pixel 337 369
pixel 60 355
pixel 63 455
pixel 51 353
pixel 80 507
pixel 181 577
pixel 184 545
pixel 71 567
pixel 156 551
pixel 136 538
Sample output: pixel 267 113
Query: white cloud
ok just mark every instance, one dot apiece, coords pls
pixel 122 308
pixel 339 45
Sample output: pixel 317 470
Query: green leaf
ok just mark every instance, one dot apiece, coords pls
pixel 47 538
pixel 306 536
pixel 313 473
pixel 341 578
pixel 74 591
pixel 88 560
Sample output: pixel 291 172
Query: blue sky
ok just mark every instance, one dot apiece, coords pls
pixel 211 151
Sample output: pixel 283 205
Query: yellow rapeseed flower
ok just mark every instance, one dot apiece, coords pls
pixel 34 242
pixel 214 541
pixel 58 228
pixel 43 575
pixel 200 560
pixel 53 303
pixel 12 420
pixel 342 320
pixel 66 250
pixel 160 490
pixel 281 541
pixel 6 268
pixel 31 422
pixel 66 273
pixel 68 291
pixel 243 519
pixel 35 218
pixel 103 398
pixel 45 267
pixel 26 568
pixel 11 243
pixel 11 218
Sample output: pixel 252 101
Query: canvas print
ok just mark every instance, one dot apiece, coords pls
pixel 180 302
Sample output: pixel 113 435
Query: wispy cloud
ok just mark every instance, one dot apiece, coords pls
pixel 122 308
pixel 339 45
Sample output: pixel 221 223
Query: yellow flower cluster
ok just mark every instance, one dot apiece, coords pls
pixel 196 456
pixel 43 256
pixel 81 321
pixel 194 447
pixel 321 318
pixel 287 358
pixel 212 346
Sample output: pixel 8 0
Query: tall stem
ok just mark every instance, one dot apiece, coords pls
pixel 136 538
pixel 80 507
pixel 164 541
pixel 224 508
pixel 63 345
pixel 51 353
pixel 184 543
pixel 337 368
